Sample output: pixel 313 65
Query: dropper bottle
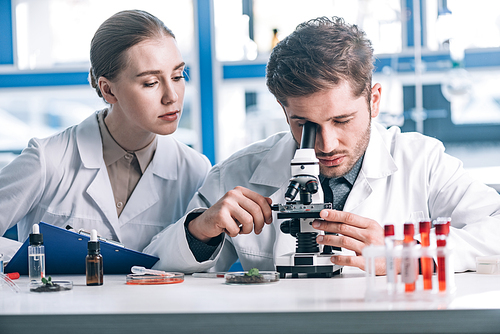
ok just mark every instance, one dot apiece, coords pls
pixel 36 256
pixel 93 261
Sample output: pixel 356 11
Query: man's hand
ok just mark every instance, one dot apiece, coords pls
pixel 239 211
pixel 355 232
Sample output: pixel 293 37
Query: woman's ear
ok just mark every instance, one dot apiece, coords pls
pixel 105 86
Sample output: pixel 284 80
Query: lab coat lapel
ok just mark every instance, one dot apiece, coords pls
pixel 147 192
pixel 90 147
pixel 101 192
pixel 144 196
pixel 377 163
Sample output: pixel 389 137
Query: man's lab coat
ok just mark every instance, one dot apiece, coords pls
pixel 62 180
pixel 402 174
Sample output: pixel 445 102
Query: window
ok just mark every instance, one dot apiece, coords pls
pixel 52 38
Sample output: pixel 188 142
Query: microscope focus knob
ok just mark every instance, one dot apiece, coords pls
pixel 291 226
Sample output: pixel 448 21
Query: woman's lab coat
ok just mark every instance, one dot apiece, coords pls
pixel 402 173
pixel 62 180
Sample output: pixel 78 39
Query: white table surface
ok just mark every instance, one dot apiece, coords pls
pixel 208 305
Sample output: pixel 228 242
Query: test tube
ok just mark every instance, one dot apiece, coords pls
pixel 409 263
pixel 442 226
pixel 426 261
pixel 389 258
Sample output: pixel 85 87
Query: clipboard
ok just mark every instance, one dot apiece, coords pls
pixel 65 253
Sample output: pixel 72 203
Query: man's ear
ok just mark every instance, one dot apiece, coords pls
pixel 375 99
pixel 282 107
pixel 105 86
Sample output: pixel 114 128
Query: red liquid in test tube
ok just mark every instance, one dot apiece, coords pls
pixel 442 227
pixel 409 266
pixel 426 262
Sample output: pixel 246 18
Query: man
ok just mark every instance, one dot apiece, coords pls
pixel 322 74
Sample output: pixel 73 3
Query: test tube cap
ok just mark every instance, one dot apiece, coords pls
pixel 425 226
pixel 388 230
pixel 442 228
pixel 409 229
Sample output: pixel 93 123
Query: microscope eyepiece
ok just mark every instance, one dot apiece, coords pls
pixel 308 135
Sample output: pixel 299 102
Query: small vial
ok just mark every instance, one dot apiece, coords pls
pixel 36 256
pixel 93 261
pixel 389 258
pixel 426 261
pixel 442 226
pixel 409 264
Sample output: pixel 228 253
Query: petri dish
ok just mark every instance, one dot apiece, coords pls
pixel 140 279
pixel 241 278
pixel 54 287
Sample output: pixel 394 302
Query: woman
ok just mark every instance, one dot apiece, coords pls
pixel 112 172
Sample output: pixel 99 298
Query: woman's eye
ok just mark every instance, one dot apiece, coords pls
pixel 150 84
pixel 178 78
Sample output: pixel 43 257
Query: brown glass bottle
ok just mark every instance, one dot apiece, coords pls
pixel 93 262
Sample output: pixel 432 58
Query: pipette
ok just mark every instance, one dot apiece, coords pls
pixel 143 271
pixel 9 282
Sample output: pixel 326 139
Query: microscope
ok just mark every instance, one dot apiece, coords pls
pixel 310 259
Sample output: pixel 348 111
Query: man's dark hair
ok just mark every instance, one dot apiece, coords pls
pixel 318 55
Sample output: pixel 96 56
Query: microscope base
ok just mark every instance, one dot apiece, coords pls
pixel 310 265
pixel 308 272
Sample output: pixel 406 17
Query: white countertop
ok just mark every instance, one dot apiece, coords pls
pixel 295 304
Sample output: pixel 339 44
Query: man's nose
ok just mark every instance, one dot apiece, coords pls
pixel 326 139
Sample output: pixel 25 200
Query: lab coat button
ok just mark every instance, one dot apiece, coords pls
pixel 119 205
pixel 128 156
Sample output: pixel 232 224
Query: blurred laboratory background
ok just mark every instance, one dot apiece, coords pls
pixel 438 62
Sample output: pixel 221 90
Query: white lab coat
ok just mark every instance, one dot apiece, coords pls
pixel 402 173
pixel 62 180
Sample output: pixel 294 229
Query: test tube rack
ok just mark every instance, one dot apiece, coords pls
pixel 380 287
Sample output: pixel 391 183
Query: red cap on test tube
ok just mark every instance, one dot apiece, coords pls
pixel 388 230
pixel 425 226
pixel 409 229
pixel 442 228
pixel 442 225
